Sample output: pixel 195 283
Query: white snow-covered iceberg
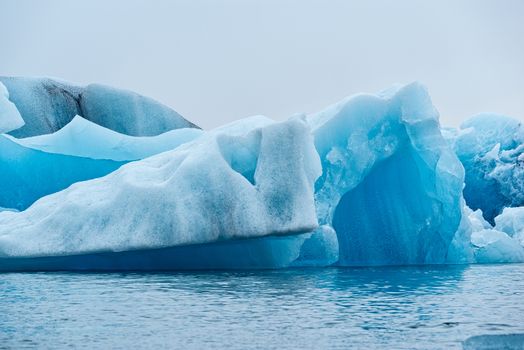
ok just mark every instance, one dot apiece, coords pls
pixel 47 105
pixel 83 138
pixel 10 118
pixel 230 187
pixel 390 192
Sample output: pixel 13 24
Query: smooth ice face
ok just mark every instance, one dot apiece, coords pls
pixel 83 138
pixel 460 250
pixel 391 186
pixel 27 175
pixel 491 148
pixel 234 183
pixel 128 112
pixel 47 105
pixel 10 118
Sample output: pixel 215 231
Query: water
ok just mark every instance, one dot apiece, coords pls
pixel 394 308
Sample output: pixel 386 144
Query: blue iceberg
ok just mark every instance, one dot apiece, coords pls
pixel 34 167
pixel 371 180
pixel 391 187
pixel 83 138
pixel 27 174
pixel 491 148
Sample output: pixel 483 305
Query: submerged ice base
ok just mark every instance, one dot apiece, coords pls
pixel 253 253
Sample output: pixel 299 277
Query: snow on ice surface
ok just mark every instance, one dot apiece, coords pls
pixel 491 149
pixel 10 118
pixel 47 105
pixel 251 182
pixel 391 186
pixel 83 138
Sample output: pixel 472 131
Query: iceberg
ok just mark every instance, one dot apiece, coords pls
pixel 128 112
pixel 10 118
pixel 34 167
pixel 491 148
pixel 493 246
pixel 27 175
pixel 391 186
pixel 371 180
pixel 476 241
pixel 494 341
pixel 252 253
pixel 46 105
pixel 511 221
pixel 83 138
pixel 212 197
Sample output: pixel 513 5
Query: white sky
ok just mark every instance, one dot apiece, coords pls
pixel 215 61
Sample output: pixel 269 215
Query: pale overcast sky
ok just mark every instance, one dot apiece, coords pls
pixel 215 61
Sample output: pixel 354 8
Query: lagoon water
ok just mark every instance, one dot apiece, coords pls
pixel 363 308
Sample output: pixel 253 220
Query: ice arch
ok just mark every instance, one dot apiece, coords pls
pixel 391 186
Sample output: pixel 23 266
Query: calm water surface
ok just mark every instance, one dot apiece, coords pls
pixel 394 308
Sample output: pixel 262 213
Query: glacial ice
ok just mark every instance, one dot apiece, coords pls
pixel 47 105
pixel 371 180
pixel 511 221
pixel 491 148
pixel 493 246
pixel 27 175
pixel 494 341
pixel 114 108
pixel 83 138
pixel 391 186
pixel 10 118
pixel 253 253
pixel 33 167
pixel 476 241
pixel 251 179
